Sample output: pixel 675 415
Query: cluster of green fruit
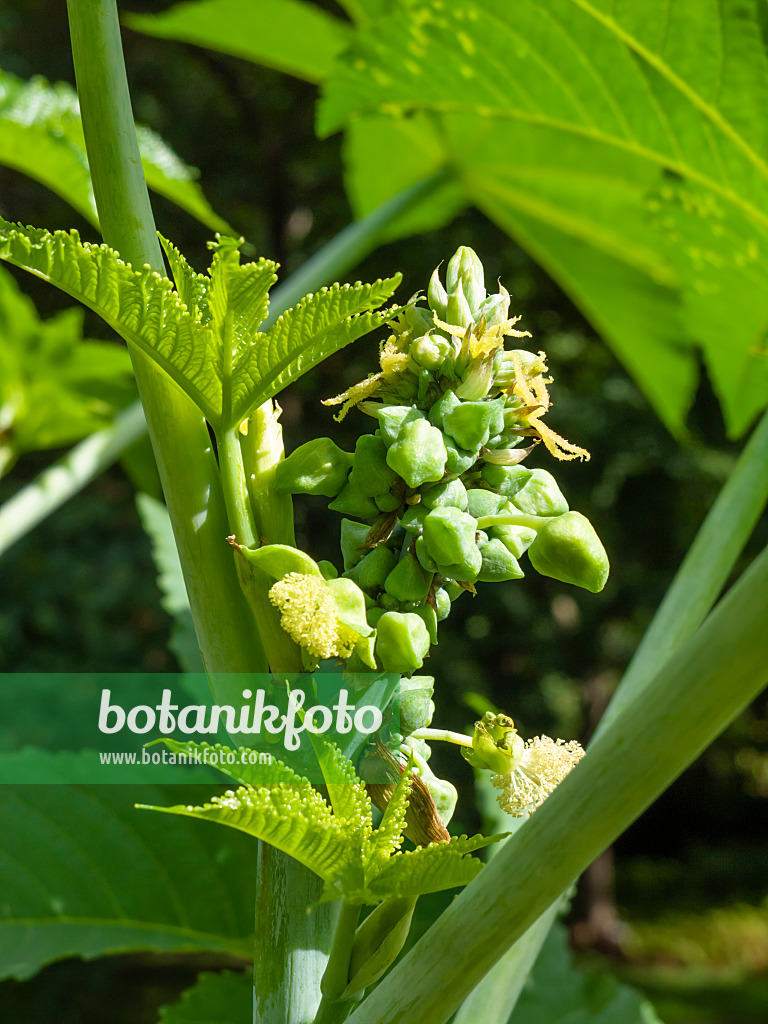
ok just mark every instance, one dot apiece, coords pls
pixel 437 495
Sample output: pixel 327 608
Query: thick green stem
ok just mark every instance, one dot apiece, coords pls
pixel 185 458
pixel 336 977
pixel 641 751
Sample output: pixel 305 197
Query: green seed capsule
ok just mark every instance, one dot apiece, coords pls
pixel 442 604
pixel 469 424
pixel 449 536
pixel 452 493
pixel 372 570
pixel 387 502
pixel 370 473
pixel 412 706
pixel 498 564
pixel 429 617
pixel 540 495
pixel 353 537
pixel 418 455
pixel 393 417
pixel 413 518
pixel 408 581
pixel 402 642
pixel 516 539
pixel 505 480
pixel 457 459
pixel 569 550
pixel 482 503
pixel 317 467
pixel 352 502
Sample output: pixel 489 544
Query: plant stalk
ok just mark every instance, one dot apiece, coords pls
pixel 700 690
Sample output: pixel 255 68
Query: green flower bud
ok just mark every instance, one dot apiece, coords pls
pixel 372 570
pixel 437 295
pixel 417 319
pixel 452 493
pixel 449 537
pixel 402 642
pixel 454 590
pixel 373 615
pixel 457 311
pixel 393 417
pixel 413 518
pixel 466 271
pixel 505 480
pixel 328 569
pixel 569 550
pixel 540 495
pixel 378 942
pixel 482 503
pixel 471 423
pixel 495 309
pixel 499 564
pixel 387 502
pixel 317 467
pixel 457 460
pixel 516 539
pixel 278 560
pixel 389 603
pixel 352 502
pixel 428 615
pixel 430 351
pixel 442 604
pixel 476 379
pixel 418 455
pixel 412 705
pixel 447 402
pixel 408 581
pixel 423 555
pixel 353 536
pixel 370 473
pixel 496 749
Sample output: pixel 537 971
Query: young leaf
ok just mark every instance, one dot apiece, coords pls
pixel 347 794
pixel 623 145
pixel 318 326
pixel 89 876
pixel 41 135
pixel 55 388
pixel 225 998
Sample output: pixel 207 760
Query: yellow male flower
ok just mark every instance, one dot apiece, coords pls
pixel 310 616
pixel 543 765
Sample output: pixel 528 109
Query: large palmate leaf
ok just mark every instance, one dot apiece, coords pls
pixel 288 35
pixel 225 998
pixel 205 334
pixel 83 873
pixel 624 144
pixel 360 865
pixel 55 387
pixel 41 135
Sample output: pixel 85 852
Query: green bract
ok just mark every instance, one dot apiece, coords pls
pixel 317 467
pixel 569 550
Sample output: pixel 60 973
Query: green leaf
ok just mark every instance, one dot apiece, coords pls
pixel 55 388
pixel 298 38
pixel 318 326
pixel 225 998
pixel 170 579
pixel 346 792
pixel 41 136
pixel 83 873
pixel 556 993
pixel 620 142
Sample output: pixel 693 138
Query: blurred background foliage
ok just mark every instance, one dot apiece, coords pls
pixel 680 906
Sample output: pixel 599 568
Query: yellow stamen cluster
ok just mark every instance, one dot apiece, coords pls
pixel 543 766
pixel 308 615
pixel 355 395
pixel 484 340
pixel 533 393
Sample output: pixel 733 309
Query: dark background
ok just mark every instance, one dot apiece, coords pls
pixel 689 920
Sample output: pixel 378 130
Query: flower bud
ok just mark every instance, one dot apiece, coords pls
pixel 457 460
pixel 442 604
pixel 393 417
pixel 516 539
pixel 452 493
pixel 372 570
pixel 387 502
pixel 470 424
pixel 317 467
pixel 569 550
pixel 449 538
pixel 370 473
pixel 505 480
pixel 412 705
pixel 352 502
pixel 466 271
pixel 436 295
pixel 495 308
pixel 408 581
pixel 476 379
pixel 499 749
pixel 413 518
pixel 428 616
pixel 499 564
pixel 540 495
pixel 430 351
pixel 417 320
pixel 378 942
pixel 402 642
pixel 418 455
pixel 353 537
pixel 483 503
pixel 457 312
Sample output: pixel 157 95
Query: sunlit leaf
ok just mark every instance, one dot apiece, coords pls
pixel 225 998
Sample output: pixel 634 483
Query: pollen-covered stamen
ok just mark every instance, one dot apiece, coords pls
pixel 533 393
pixel 309 615
pixel 356 394
pixel 543 766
